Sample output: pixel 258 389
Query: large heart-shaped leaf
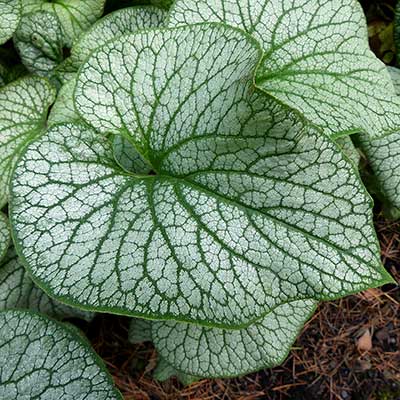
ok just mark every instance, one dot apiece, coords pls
pixel 248 208
pixel 384 157
pixel 75 16
pixel 4 235
pixel 17 290
pixel 43 359
pixel 23 111
pixel 39 41
pixel 126 20
pixel 211 352
pixel 317 59
pixel 10 14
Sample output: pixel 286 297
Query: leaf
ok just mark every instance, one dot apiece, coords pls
pixel 384 158
pixel 4 235
pixel 10 74
pixel 128 157
pixel 349 149
pixel 10 14
pixel 249 207
pixel 212 352
pixel 64 72
pixel 63 109
pixel 164 371
pixel 17 290
pixel 316 59
pixel 75 16
pixel 139 331
pixel 49 360
pixel 126 20
pixel 39 41
pixel 125 154
pixel 23 111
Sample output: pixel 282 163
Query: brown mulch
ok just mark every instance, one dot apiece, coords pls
pixel 328 362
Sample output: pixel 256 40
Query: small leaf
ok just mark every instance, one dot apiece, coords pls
pixel 164 371
pixel 63 109
pixel 10 14
pixel 317 59
pixel 384 158
pixel 23 110
pixel 213 352
pixel 64 72
pixel 4 235
pixel 39 41
pixel 126 20
pixel 128 157
pixel 17 290
pixel 49 360
pixel 139 331
pixel 349 149
pixel 75 16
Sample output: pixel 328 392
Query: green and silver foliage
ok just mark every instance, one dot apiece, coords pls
pixel 126 20
pixel 384 158
pixel 23 110
pixel 63 109
pixel 348 147
pixel 196 351
pixel 75 16
pixel 17 290
pixel 49 360
pixel 139 332
pixel 316 59
pixel 164 371
pixel 128 157
pixel 40 41
pixel 242 187
pixel 4 235
pixel 10 14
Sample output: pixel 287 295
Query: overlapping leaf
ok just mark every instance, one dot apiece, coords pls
pixel 49 360
pixel 126 20
pixel 10 14
pixel 75 16
pixel 317 59
pixel 39 41
pixel 17 290
pixel 384 158
pixel 193 350
pixel 249 208
pixel 165 371
pixel 23 111
pixel 63 109
pixel 128 157
pixel 347 146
